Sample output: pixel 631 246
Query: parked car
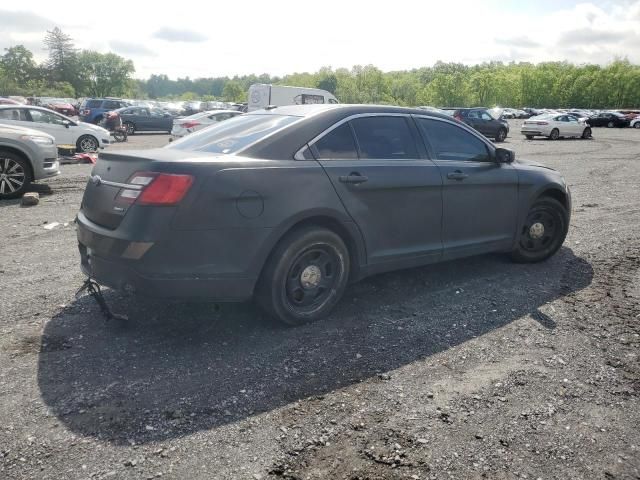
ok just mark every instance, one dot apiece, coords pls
pixel 26 155
pixel 261 95
pixel 288 205
pixel 86 137
pixel 92 110
pixel 635 123
pixel 608 119
pixel 479 118
pixel 61 106
pixel 8 101
pixel 555 126
pixel 193 123
pixel 192 107
pixel 142 119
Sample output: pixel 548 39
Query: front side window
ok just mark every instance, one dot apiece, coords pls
pixel 337 144
pixel 486 116
pixel 40 116
pixel 450 142
pixel 384 138
pixel 234 134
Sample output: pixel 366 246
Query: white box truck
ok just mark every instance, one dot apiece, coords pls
pixel 262 95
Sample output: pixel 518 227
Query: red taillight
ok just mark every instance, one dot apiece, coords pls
pixel 190 124
pixel 156 188
pixel 542 123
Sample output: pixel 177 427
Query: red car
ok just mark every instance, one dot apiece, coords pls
pixel 63 108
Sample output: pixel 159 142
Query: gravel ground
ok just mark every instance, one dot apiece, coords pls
pixel 478 368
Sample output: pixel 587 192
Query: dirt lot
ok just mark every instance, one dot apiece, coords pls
pixel 471 369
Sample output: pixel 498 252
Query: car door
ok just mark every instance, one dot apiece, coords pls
pixel 479 195
pixel 490 125
pixel 53 124
pixel 573 126
pixel 392 192
pixel 159 121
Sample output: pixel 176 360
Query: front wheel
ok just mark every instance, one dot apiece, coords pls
pixel 636 125
pixel 87 144
pixel 501 135
pixel 130 127
pixel 610 125
pixel 586 133
pixel 15 175
pixel 543 232
pixel 305 276
pixel 120 135
pixel 555 134
pixel 529 137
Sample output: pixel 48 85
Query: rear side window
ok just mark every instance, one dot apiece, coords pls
pixel 234 134
pixel 450 142
pixel 111 105
pixel 337 144
pixel 93 103
pixel 384 138
pixel 17 114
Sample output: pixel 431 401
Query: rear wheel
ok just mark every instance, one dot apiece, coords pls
pixel 529 137
pixel 87 143
pixel 555 134
pixel 15 175
pixel 543 232
pixel 131 128
pixel 501 135
pixel 305 276
pixel 636 125
pixel 610 125
pixel 586 133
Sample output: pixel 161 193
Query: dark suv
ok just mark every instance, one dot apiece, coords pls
pixel 482 121
pixel 93 109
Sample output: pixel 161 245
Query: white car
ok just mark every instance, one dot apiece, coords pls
pixel 185 126
pixel 85 136
pixel 635 123
pixel 555 126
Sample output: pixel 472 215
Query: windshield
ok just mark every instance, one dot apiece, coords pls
pixel 232 135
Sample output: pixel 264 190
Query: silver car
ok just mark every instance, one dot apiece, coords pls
pixel 25 155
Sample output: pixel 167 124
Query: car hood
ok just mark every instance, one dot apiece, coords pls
pixel 531 163
pixel 13 129
pixel 95 128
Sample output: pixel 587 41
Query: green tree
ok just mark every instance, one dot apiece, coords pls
pixel 105 74
pixel 18 65
pixel 62 60
pixel 233 92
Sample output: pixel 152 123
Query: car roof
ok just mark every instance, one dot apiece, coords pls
pixel 342 108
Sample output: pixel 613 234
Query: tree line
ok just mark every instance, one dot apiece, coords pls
pixel 70 72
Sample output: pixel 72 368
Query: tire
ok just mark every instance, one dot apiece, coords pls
pixel 529 137
pixel 304 277
pixel 501 135
pixel 120 135
pixel 555 134
pixel 535 243
pixel 87 143
pixel 636 125
pixel 131 128
pixel 98 120
pixel 15 175
pixel 611 125
pixel 586 133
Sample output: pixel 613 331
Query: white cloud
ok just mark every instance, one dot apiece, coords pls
pixel 201 38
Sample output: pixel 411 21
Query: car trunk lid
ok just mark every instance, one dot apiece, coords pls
pixel 112 174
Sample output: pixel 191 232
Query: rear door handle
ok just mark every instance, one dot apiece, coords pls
pixel 457 175
pixel 354 178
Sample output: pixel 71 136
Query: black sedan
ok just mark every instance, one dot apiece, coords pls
pixel 608 119
pixel 289 205
pixel 142 119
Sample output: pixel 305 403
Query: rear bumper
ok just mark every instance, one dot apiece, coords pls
pixel 112 261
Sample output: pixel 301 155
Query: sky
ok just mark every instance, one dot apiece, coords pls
pixel 214 38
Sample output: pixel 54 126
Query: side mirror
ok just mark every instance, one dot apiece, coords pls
pixel 504 155
pixel 66 123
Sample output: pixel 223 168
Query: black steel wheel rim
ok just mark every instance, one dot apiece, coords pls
pixel 540 230
pixel 312 278
pixel 12 176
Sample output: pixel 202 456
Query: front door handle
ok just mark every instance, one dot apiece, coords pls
pixel 354 178
pixel 457 175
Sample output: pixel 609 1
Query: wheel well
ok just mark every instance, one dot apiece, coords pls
pixel 336 227
pixel 21 154
pixel 556 195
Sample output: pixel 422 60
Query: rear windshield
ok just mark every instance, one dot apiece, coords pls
pixel 234 134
